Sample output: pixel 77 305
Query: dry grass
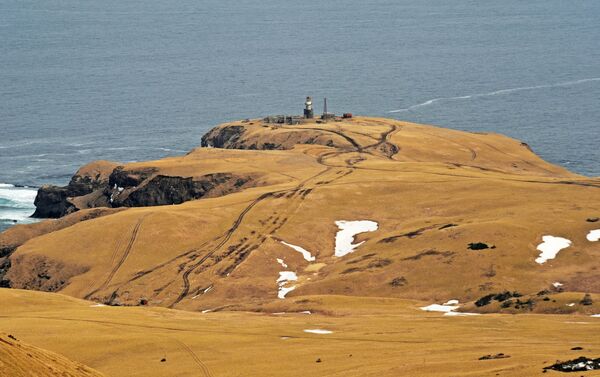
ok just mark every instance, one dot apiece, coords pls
pixel 371 337
pixel 432 191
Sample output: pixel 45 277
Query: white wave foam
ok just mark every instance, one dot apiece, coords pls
pixel 495 93
pixel 16 203
pixel 21 197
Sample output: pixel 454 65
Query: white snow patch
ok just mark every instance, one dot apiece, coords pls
pixel 306 312
pixel 557 285
pixel 595 316
pixel 460 314
pixel 451 302
pixel 206 311
pixel 318 331
pixel 448 308
pixel 345 236
pixel 550 248
pixel 594 235
pixel 97 305
pixel 279 313
pixel 305 253
pixel 284 278
pixel 285 337
pixel 281 262
pixel 284 291
pixel 571 304
pixel 439 308
pixel 207 289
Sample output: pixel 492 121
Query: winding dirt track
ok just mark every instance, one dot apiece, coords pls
pixel 239 251
pixel 244 249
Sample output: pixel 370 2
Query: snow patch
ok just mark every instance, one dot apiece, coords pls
pixel 550 248
pixel 305 253
pixel 345 236
pixel 460 314
pixel 571 304
pixel 97 305
pixel 281 262
pixel 557 285
pixel 448 308
pixel 284 278
pixel 451 302
pixel 206 311
pixel 594 235
pixel 318 331
pixel 440 308
pixel 595 316
pixel 284 291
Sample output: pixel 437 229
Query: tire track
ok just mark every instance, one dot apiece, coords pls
pixel 124 256
pixel 195 357
pixel 227 237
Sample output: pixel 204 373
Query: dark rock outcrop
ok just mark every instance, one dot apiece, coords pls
pixel 129 178
pixel 581 364
pixel 163 190
pixel 52 202
pixel 132 188
pixel 283 138
pixel 224 137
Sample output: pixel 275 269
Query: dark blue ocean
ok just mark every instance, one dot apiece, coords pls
pixel 136 80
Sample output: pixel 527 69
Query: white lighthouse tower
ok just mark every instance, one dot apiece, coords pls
pixel 308 108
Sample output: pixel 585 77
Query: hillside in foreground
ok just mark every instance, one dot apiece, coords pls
pixel 364 220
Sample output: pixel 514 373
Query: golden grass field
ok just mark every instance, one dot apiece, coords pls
pixel 371 337
pixel 431 191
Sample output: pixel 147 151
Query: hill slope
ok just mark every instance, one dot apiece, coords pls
pixel 18 359
pixel 438 214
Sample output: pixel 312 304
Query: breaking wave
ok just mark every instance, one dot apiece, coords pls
pixel 16 205
pixel 495 93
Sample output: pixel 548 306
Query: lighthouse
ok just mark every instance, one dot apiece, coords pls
pixel 308 108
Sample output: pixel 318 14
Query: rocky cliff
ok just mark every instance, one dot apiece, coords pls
pixel 124 187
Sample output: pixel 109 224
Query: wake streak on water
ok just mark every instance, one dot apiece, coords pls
pixel 495 93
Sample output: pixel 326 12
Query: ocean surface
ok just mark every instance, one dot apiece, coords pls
pixel 136 80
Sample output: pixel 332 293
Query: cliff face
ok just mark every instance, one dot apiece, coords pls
pixel 251 136
pixel 132 188
pixel 55 201
pixel 163 190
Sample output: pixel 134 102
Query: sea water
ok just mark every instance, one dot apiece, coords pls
pixel 16 205
pixel 137 80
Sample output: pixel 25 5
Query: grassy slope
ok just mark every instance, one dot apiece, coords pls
pixel 18 359
pixel 492 188
pixel 371 337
